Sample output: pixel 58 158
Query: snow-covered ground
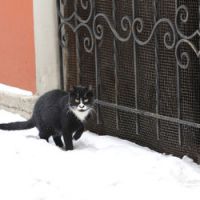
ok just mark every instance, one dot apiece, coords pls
pixel 100 168
pixel 14 90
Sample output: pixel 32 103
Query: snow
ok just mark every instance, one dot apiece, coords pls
pixel 99 168
pixel 14 90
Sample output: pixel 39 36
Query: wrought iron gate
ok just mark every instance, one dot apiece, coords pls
pixel 143 59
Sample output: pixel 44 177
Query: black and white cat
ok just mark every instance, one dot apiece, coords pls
pixel 58 113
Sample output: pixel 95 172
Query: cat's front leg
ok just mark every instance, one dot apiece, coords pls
pixel 67 131
pixel 67 136
pixel 78 133
pixel 68 141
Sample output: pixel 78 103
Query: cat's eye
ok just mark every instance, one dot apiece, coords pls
pixel 77 100
pixel 86 100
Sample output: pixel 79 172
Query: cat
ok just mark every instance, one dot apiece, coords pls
pixel 58 113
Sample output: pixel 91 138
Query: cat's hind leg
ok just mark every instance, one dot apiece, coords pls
pixel 44 136
pixel 44 133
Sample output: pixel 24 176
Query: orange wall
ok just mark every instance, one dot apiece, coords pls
pixel 17 58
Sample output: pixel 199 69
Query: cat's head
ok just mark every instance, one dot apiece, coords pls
pixel 81 98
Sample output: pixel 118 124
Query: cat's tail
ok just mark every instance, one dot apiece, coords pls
pixel 18 125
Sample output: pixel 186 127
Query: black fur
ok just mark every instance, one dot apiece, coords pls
pixel 53 116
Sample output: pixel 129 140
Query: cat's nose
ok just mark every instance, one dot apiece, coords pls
pixel 81 105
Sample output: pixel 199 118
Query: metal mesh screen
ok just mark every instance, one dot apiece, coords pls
pixel 142 59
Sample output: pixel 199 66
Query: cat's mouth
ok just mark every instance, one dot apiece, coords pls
pixel 82 109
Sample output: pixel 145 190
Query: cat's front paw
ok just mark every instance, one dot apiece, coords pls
pixel 76 136
pixel 69 148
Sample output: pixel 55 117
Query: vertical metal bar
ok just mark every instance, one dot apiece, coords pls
pixel 199 19
pixel 115 63
pixel 77 44
pixel 178 94
pixel 135 69
pixel 199 48
pixel 60 49
pixel 155 17
pixel 97 74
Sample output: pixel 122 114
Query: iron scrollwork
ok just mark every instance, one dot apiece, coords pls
pixel 75 22
pixel 129 27
pixel 98 29
pixel 182 16
pixel 138 26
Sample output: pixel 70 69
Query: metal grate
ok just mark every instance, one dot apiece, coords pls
pixel 143 59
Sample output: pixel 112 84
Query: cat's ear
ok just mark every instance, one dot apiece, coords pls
pixel 90 91
pixel 72 88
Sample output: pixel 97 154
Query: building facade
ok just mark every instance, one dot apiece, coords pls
pixel 28 45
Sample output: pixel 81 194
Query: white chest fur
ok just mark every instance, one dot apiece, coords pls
pixel 80 115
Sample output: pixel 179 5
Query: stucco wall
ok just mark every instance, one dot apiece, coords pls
pixel 17 55
pixel 29 51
